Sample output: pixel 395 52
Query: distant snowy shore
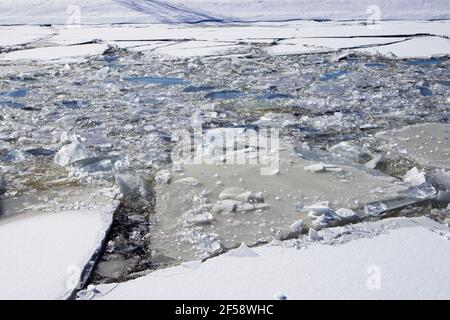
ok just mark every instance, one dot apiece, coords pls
pixel 195 11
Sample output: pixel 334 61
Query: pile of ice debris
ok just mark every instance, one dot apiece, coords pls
pixel 110 121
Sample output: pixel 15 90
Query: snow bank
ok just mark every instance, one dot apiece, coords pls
pixel 392 259
pixel 191 11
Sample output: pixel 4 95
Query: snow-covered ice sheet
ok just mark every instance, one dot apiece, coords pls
pixel 20 35
pixel 55 53
pixel 421 47
pixel 276 10
pixel 37 252
pixel 198 49
pixel 316 45
pixel 192 11
pixel 250 32
pixel 392 259
pixel 43 252
pixel 88 12
pixel 398 37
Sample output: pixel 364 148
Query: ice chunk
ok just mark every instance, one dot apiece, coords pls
pixel 441 179
pixel 192 89
pixel 70 153
pixel 348 150
pixel 227 205
pixel 40 152
pixel 415 177
pixel 249 196
pixel 102 73
pixel 443 196
pixel 163 177
pixel 133 185
pixel 333 75
pixel 424 91
pixel 250 206
pixel 202 218
pixel 347 214
pixel 189 181
pixel 14 156
pixel 372 164
pixel 424 191
pixel 312 235
pixel 230 193
pixel 297 226
pixel 242 252
pixel 321 167
pixel 325 221
pixel 375 208
pixel 165 81
pixel 316 210
pixel 11 104
pixel 245 207
pixel 85 295
pixel 272 119
pixel 315 168
pixel 73 104
pixel 225 94
pixel 17 93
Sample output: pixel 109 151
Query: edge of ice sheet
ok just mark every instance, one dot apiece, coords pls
pixel 397 258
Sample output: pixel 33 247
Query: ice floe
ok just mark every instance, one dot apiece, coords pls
pixel 48 248
pixel 371 265
pixel 426 144
pixel 250 207
pixel 421 47
pixel 55 53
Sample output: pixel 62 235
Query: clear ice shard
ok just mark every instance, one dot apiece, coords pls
pixel 70 153
pixel 375 208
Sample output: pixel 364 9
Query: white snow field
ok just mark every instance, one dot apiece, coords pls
pixel 45 248
pixel 193 11
pixel 392 259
